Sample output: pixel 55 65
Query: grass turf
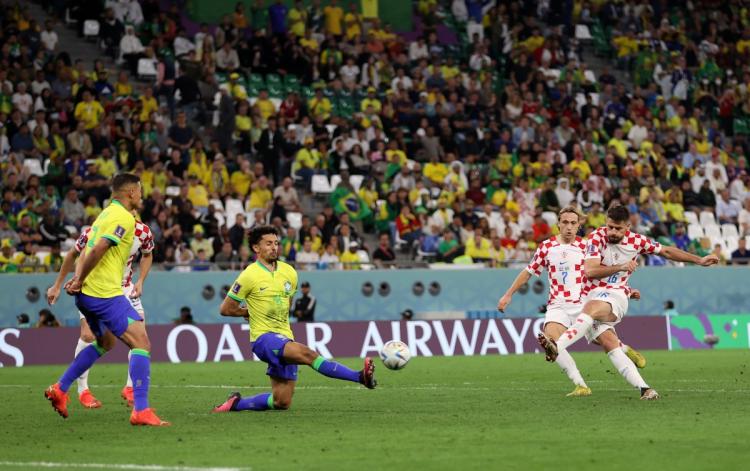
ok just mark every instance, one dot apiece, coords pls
pixel 439 413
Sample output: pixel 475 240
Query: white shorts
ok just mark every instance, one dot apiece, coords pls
pixel 615 298
pixel 135 302
pixel 564 314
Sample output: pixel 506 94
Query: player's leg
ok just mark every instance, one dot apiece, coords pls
pixel 297 353
pixel 607 338
pixel 593 310
pixel 127 390
pixel 553 331
pixel 85 397
pixel 635 356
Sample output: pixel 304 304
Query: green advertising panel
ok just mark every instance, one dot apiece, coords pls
pixel 709 331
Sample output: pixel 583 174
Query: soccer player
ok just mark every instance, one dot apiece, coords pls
pixel 611 255
pixel 562 256
pixel 97 287
pixel 143 243
pixel 266 288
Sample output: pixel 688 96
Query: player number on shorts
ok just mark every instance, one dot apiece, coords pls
pixel 612 279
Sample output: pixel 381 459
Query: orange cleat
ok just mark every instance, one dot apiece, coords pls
pixel 88 400
pixel 147 417
pixel 58 399
pixel 127 394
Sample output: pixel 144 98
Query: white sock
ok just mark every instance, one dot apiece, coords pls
pixel 626 368
pixel 624 347
pixel 568 365
pixel 83 380
pixel 574 333
pixel 129 382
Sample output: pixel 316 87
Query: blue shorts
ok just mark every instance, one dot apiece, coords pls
pixel 269 347
pixel 113 314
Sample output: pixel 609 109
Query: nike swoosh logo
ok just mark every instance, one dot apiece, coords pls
pixel 263 289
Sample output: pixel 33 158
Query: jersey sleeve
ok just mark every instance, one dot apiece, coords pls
pixel 82 240
pixel 241 287
pixel 594 247
pixel 646 245
pixel 114 228
pixel 147 245
pixel 538 262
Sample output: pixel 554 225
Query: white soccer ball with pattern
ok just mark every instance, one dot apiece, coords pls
pixel 395 355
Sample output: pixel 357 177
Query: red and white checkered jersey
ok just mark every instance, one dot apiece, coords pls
pixel 564 264
pixel 143 240
pixel 630 247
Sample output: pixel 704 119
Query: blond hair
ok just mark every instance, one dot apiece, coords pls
pixel 570 209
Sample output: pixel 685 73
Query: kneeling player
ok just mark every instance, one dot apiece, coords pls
pixel 563 256
pixel 267 287
pixel 611 256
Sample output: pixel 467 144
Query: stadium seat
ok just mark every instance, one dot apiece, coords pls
pixel 729 230
pixel 549 217
pixel 217 204
pixel 335 180
pixel 320 184
pixel 91 28
pixel 356 181
pixel 707 218
pixel 583 33
pixel 694 231
pixel 731 243
pixel 713 232
pixel 294 219
pixel 146 69
pixel 220 219
pixel 173 190
pixel 34 167
pixel 691 217
pixel 233 208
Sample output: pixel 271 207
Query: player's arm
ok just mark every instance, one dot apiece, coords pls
pixel 53 292
pixel 147 260
pixel 677 255
pixel 88 263
pixel 593 268
pixel 230 307
pixel 523 277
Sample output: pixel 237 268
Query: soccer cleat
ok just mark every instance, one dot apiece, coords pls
pixel 230 404
pixel 549 346
pixel 147 417
pixel 58 399
pixel 367 375
pixel 88 400
pixel 127 394
pixel 649 394
pixel 579 391
pixel 636 357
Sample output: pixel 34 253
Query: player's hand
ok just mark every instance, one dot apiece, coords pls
pixel 53 292
pixel 635 294
pixel 137 291
pixel 629 267
pixel 73 287
pixel 709 260
pixel 503 303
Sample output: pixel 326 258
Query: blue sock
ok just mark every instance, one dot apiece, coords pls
pixel 260 402
pixel 335 370
pixel 82 362
pixel 140 372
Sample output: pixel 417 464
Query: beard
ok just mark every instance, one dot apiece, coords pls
pixel 614 240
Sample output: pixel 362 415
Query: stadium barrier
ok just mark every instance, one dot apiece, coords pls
pixel 384 294
pixel 230 342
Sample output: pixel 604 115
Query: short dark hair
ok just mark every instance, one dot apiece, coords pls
pixel 257 233
pixel 618 213
pixel 122 180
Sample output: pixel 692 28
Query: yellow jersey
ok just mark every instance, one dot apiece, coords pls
pixel 90 113
pixel 268 295
pixel 117 225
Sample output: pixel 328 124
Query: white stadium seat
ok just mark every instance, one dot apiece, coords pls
pixel 713 232
pixel 146 68
pixel 707 218
pixel 34 167
pixel 294 219
pixel 729 230
pixel 694 231
pixel 356 181
pixel 335 180
pixel 691 217
pixel 550 218
pixel 320 184
pixel 91 28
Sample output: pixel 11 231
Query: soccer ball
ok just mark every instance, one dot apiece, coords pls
pixel 395 355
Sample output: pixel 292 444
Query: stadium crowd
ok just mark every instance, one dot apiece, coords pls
pixel 457 142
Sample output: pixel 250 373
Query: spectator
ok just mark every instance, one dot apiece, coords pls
pixel 330 259
pixel 23 321
pixel 227 257
pixel 288 195
pixel 449 247
pixel 726 210
pixel 680 238
pixel 186 316
pixel 199 243
pixel 73 210
pixel 383 254
pixel 47 319
pixel 349 258
pixel 304 306
pixel 741 256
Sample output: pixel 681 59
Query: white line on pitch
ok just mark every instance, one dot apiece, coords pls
pixel 138 467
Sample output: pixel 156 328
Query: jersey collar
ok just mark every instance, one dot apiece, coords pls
pixel 114 201
pixel 266 268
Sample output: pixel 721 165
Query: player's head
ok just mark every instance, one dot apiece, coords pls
pixel 618 223
pixel 569 221
pixel 126 188
pixel 264 241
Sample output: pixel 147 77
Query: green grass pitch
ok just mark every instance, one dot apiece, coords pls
pixel 439 413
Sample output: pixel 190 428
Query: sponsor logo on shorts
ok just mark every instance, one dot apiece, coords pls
pixel 120 231
pixel 236 288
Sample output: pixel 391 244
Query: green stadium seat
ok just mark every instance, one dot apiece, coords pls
pixel 273 79
pixel 276 90
pixel 256 80
pixel 307 93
